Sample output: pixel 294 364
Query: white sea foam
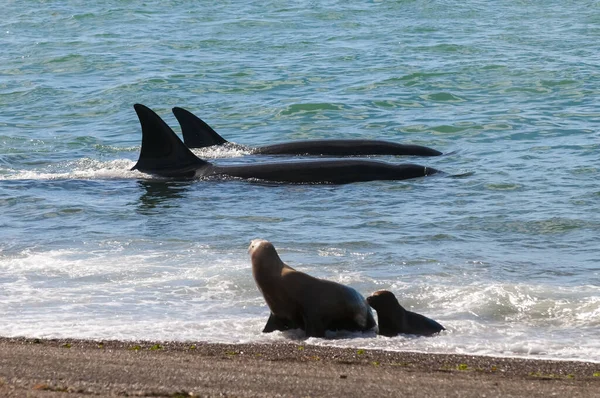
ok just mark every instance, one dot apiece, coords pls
pixel 227 150
pixel 202 295
pixel 87 169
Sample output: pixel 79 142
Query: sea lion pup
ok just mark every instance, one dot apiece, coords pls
pixel 393 319
pixel 298 300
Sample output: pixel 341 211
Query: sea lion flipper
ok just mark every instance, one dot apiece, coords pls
pixel 313 327
pixel 277 323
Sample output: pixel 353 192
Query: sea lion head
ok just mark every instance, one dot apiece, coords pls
pixel 383 300
pixel 264 256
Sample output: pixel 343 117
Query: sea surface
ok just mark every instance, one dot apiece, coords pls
pixel 507 257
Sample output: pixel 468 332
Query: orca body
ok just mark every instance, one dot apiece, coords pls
pixel 164 154
pixel 198 134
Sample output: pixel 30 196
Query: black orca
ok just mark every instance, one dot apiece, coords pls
pixel 164 154
pixel 198 134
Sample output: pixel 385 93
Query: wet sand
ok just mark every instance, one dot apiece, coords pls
pixel 52 368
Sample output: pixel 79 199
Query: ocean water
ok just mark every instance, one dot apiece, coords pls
pixel 507 258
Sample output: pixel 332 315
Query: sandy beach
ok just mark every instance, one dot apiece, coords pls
pixel 48 368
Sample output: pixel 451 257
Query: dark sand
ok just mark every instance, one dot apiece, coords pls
pixel 72 368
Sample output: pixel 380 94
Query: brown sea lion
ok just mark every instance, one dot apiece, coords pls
pixel 393 319
pixel 298 300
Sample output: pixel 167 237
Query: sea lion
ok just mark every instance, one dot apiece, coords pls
pixel 393 319
pixel 298 300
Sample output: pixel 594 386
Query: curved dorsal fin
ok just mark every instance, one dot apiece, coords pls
pixel 162 151
pixel 196 133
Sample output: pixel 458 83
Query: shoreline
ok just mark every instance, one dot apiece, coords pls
pixel 48 367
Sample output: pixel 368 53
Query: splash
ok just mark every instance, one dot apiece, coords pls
pixel 85 168
pixel 227 150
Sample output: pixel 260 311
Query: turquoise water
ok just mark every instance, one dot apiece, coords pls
pixel 506 258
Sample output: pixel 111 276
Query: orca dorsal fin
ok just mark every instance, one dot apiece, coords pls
pixel 162 151
pixel 196 133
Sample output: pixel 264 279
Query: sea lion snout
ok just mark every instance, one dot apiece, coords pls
pixel 371 300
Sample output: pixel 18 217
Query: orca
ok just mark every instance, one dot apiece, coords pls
pixel 198 134
pixel 164 154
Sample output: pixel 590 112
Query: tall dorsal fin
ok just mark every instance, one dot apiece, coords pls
pixel 196 133
pixel 162 151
